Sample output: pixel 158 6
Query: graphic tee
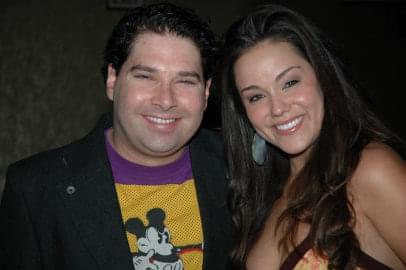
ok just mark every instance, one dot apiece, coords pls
pixel 160 211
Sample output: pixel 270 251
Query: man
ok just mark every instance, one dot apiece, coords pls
pixel 146 191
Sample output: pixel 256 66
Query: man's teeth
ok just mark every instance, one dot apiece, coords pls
pixel 161 120
pixel 289 125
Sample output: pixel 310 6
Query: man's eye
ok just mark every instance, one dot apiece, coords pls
pixel 188 82
pixel 141 76
pixel 290 84
pixel 255 98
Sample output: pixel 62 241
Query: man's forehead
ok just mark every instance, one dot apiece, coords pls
pixel 151 48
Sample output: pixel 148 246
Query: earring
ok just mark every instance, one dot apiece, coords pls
pixel 258 149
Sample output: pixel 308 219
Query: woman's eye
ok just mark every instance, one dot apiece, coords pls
pixel 254 98
pixel 290 84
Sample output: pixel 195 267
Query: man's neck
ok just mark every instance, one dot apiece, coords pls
pixel 139 158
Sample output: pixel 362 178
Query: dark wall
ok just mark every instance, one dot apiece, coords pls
pixel 51 91
pixel 50 84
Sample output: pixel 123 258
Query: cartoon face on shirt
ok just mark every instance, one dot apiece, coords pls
pixel 154 248
pixel 157 241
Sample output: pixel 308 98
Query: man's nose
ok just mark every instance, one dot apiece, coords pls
pixel 165 97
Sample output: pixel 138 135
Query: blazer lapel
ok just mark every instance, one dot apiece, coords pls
pixel 209 174
pixel 90 197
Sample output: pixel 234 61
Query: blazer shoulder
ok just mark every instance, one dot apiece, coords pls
pixel 44 165
pixel 36 161
pixel 57 159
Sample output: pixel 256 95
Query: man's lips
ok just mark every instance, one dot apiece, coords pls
pixel 160 120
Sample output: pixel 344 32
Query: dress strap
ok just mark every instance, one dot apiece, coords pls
pixel 297 254
pixel 367 262
pixel 364 261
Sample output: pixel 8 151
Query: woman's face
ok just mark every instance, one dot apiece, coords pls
pixel 281 95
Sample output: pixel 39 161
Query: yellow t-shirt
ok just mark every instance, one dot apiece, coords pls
pixel 163 223
pixel 160 211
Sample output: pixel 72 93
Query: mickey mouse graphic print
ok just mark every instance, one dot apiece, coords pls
pixel 161 214
pixel 155 250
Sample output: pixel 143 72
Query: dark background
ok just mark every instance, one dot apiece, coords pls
pixel 51 90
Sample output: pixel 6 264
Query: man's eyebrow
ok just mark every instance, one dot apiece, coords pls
pixel 283 73
pixel 142 68
pixel 151 69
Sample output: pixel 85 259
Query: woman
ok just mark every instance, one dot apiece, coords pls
pixel 316 182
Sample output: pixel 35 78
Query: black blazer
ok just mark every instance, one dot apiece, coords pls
pixel 60 210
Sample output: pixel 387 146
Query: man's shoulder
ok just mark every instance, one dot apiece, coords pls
pixel 56 158
pixel 53 163
pixel 40 165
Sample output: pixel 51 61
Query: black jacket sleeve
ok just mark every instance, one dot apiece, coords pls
pixel 18 246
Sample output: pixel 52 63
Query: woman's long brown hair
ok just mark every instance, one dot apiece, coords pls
pixel 318 195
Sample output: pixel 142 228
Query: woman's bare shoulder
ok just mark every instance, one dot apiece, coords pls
pixel 378 187
pixel 380 174
pixel 379 169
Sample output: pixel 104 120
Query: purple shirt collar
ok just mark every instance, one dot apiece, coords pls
pixel 129 173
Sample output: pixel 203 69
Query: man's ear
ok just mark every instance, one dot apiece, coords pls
pixel 207 91
pixel 111 81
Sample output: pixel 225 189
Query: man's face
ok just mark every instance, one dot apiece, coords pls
pixel 159 98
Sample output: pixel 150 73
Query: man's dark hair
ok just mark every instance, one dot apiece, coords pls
pixel 160 18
